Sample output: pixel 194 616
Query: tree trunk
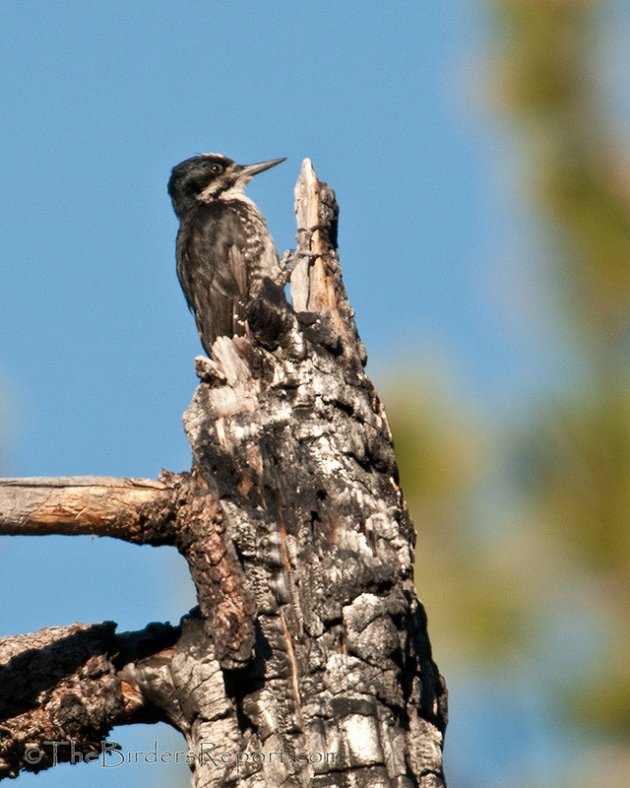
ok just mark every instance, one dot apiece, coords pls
pixel 307 662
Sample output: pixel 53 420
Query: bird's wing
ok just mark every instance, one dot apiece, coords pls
pixel 214 272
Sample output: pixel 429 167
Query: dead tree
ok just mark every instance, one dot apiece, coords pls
pixel 307 660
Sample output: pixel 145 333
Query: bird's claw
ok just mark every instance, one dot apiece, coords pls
pixel 291 257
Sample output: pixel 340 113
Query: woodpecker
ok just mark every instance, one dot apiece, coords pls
pixel 224 249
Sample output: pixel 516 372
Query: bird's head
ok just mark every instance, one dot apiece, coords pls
pixel 208 175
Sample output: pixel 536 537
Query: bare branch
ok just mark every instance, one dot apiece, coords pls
pixel 63 688
pixel 135 510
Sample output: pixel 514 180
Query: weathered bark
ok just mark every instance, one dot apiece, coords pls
pixel 63 688
pixel 136 510
pixel 308 662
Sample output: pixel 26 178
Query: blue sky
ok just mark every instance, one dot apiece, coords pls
pixel 99 101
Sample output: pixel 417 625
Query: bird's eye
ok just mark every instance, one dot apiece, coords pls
pixel 216 169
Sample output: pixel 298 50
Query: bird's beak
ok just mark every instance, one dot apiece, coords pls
pixel 248 171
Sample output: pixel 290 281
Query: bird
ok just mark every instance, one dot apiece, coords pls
pixel 224 250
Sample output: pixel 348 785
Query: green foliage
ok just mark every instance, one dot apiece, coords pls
pixel 497 595
pixel 578 448
pixel 472 596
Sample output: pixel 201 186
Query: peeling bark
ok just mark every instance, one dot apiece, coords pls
pixel 308 661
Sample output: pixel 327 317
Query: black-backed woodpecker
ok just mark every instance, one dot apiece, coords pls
pixel 224 249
